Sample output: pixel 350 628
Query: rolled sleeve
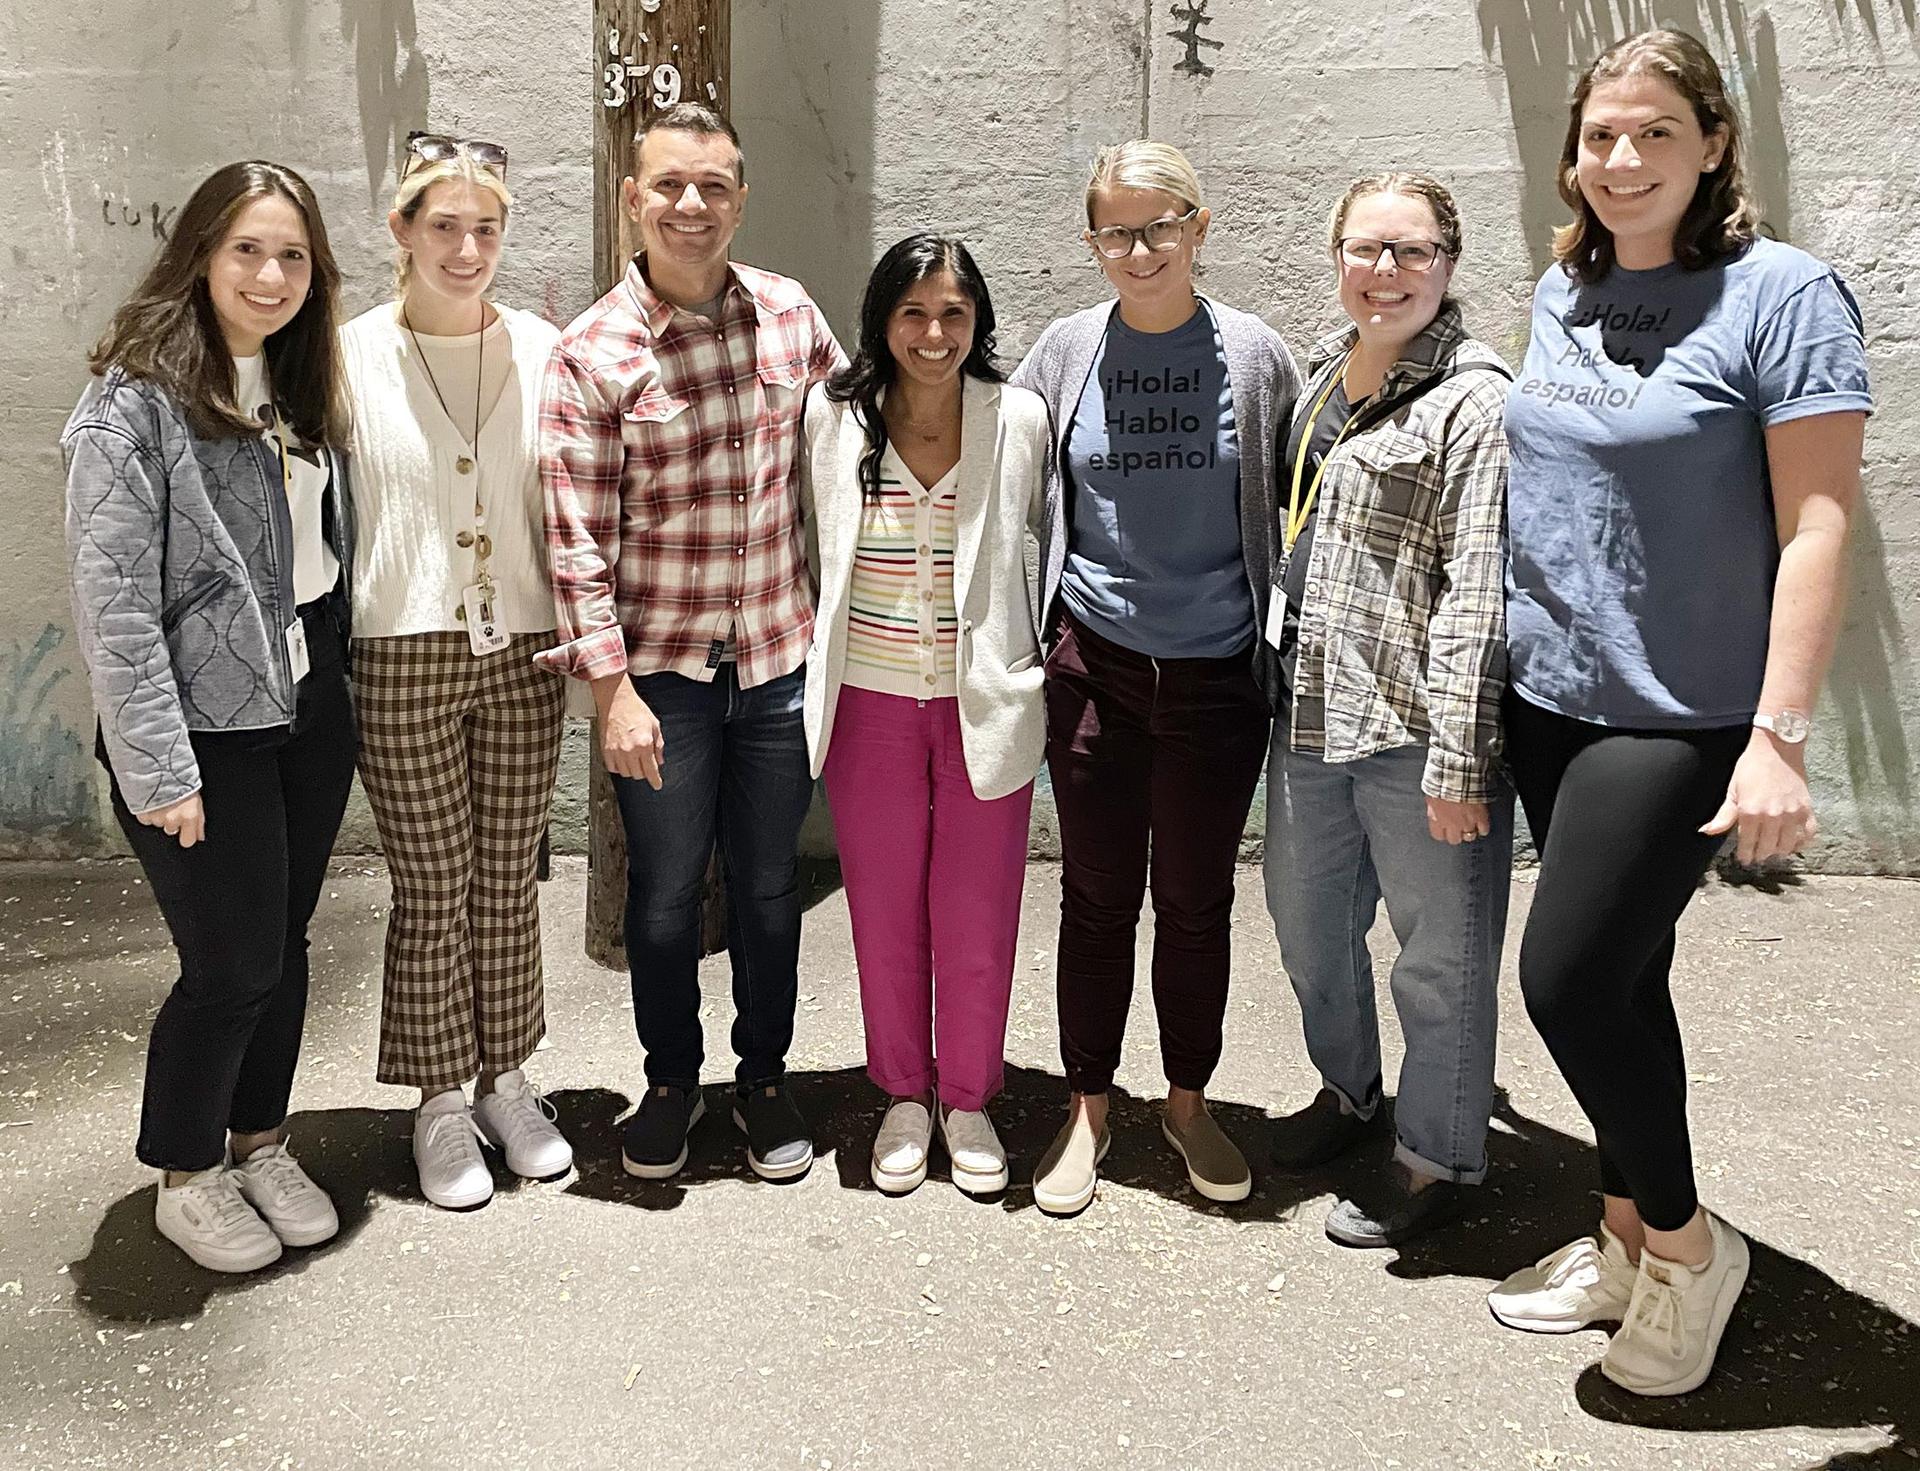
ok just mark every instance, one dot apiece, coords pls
pixel 582 460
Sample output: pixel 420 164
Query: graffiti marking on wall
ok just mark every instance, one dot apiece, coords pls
pixel 1192 18
pixel 118 211
pixel 45 781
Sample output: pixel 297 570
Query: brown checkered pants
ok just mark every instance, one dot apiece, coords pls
pixel 458 756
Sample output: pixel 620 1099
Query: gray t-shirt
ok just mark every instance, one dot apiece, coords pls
pixel 1154 560
pixel 1642 547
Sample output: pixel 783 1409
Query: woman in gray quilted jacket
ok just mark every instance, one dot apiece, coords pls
pixel 210 543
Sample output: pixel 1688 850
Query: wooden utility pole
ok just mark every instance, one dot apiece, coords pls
pixel 647 55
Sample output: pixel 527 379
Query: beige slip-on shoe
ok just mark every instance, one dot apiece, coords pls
pixel 1215 1165
pixel 1063 1181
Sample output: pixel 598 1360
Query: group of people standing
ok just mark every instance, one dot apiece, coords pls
pixel 1406 587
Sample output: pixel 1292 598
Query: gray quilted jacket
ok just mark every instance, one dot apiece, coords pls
pixel 181 552
pixel 1265 382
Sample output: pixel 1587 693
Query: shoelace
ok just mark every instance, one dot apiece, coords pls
pixel 1657 1310
pixel 220 1197
pixel 1560 1266
pixel 527 1109
pixel 466 1140
pixel 282 1173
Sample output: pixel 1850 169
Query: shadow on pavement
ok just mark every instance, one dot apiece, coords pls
pixel 844 1109
pixel 1802 1350
pixel 132 1274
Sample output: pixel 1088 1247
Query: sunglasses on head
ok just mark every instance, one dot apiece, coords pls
pixel 423 147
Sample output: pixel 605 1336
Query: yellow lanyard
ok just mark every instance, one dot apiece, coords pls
pixel 1299 511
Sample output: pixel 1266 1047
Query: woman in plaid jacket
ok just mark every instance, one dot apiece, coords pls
pixel 1389 617
pixel 459 732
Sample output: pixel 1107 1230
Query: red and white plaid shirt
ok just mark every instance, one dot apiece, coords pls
pixel 669 451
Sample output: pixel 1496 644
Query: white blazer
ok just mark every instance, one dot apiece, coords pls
pixel 1001 493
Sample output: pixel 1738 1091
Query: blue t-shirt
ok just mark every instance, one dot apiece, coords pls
pixel 1642 547
pixel 1153 561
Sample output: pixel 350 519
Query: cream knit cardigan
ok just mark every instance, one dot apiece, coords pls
pixel 411 501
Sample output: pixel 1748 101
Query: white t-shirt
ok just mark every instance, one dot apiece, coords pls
pixel 315 568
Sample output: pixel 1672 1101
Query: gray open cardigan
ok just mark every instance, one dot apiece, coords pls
pixel 1265 383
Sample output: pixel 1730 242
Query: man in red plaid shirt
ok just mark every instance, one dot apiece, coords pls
pixel 670 440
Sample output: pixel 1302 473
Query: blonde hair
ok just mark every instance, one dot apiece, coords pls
pixel 1409 185
pixel 411 195
pixel 1143 164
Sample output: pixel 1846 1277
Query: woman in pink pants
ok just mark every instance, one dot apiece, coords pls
pixel 921 473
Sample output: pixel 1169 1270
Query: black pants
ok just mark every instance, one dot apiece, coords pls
pixel 223 1047
pixel 1615 815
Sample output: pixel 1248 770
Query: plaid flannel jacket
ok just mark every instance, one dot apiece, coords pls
pixel 1403 636
pixel 669 453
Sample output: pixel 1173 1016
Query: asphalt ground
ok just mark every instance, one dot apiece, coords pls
pixel 719 1321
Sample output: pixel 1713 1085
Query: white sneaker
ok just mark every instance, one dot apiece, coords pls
pixel 515 1119
pixel 295 1209
pixel 446 1149
pixel 900 1148
pixel 1585 1281
pixel 208 1218
pixel 1671 1333
pixel 979 1159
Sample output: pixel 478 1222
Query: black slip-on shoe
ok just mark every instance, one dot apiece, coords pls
pixel 654 1146
pixel 779 1145
pixel 1317 1135
pixel 1388 1211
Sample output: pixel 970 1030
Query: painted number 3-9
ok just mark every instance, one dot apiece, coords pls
pixel 665 80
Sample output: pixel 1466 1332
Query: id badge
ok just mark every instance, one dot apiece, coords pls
pixel 484 633
pixel 297 659
pixel 1276 613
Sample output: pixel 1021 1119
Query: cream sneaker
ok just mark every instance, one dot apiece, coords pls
pixel 1063 1181
pixel 979 1159
pixel 899 1161
pixel 1585 1281
pixel 1215 1165
pixel 1667 1342
pixel 517 1121
pixel 446 1149
pixel 295 1209
pixel 208 1218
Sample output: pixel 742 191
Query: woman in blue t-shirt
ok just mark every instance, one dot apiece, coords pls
pixel 1685 440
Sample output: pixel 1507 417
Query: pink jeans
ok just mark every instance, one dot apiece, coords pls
pixel 933 878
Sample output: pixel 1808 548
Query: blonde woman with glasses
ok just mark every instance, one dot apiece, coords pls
pixel 1154 575
pixel 459 732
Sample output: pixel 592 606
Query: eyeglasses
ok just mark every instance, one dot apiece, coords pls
pixel 1115 242
pixel 425 147
pixel 1408 255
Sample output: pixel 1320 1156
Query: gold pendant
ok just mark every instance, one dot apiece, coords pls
pixel 464 465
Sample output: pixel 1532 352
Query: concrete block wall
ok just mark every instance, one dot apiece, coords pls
pixel 865 119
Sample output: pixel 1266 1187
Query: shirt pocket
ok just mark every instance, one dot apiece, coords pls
pixel 1389 509
pixel 783 396
pixel 661 433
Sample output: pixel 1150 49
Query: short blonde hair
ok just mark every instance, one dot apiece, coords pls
pixel 411 194
pixel 1144 164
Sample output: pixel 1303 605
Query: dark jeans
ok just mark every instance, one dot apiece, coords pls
pixel 735 767
pixel 224 1045
pixel 1154 764
pixel 1615 816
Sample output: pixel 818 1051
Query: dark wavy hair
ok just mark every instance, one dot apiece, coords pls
pixel 873 370
pixel 1723 219
pixel 167 332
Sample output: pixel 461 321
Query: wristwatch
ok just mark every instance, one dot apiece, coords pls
pixel 1789 725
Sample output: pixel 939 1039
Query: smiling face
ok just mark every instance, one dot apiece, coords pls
pixel 688 200
pixel 930 330
pixel 1389 304
pixel 1641 157
pixel 259 274
pixel 1148 278
pixel 454 238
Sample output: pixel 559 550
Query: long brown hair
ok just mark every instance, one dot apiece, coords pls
pixel 167 333
pixel 1723 218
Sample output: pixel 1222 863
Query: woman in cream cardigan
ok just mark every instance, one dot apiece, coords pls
pixel 922 472
pixel 459 733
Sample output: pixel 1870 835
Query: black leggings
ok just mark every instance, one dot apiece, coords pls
pixel 1615 815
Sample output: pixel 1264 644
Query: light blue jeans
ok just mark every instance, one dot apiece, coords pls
pixel 1340 838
